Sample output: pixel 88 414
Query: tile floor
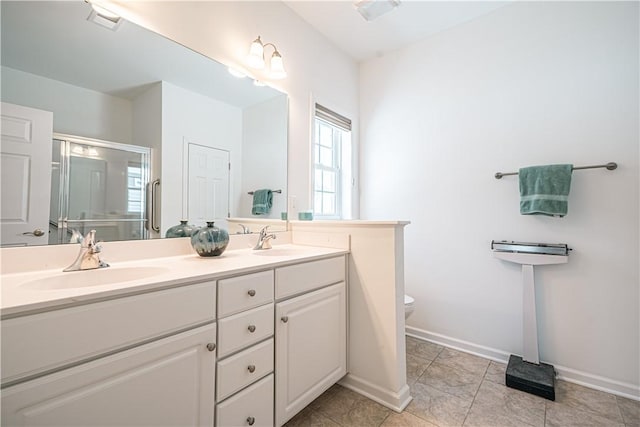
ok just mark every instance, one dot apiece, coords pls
pixel 452 388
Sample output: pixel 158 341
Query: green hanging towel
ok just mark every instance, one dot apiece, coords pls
pixel 544 190
pixel 262 202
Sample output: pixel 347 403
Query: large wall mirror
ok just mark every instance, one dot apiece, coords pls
pixel 139 132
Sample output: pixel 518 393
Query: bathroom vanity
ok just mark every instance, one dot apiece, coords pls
pixel 249 338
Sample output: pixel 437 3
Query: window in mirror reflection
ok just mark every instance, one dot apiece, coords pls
pixel 331 164
pixel 134 189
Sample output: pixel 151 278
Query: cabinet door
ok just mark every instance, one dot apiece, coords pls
pixel 311 354
pixel 168 382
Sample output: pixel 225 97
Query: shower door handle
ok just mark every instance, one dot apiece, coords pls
pixel 152 213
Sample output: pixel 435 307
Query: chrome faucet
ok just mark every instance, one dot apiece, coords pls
pixel 89 256
pixel 264 240
pixel 245 229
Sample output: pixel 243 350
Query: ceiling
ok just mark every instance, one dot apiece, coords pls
pixel 87 55
pixel 412 21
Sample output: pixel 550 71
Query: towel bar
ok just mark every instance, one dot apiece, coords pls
pixel 273 191
pixel 610 166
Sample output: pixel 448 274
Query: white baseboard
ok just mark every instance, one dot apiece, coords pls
pixel 394 401
pixel 597 382
pixel 630 391
pixel 454 343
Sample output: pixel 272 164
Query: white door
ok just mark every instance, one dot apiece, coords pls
pixel 208 179
pixel 25 162
pixel 311 348
pixel 164 383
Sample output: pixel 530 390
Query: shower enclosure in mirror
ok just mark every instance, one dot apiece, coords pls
pixel 97 185
pixel 137 88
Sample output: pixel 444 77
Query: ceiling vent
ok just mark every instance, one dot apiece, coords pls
pixel 104 17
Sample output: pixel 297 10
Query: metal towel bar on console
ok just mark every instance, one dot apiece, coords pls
pixel 530 248
pixel 610 166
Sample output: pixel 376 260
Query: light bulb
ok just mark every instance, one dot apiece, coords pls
pixel 255 59
pixel 277 67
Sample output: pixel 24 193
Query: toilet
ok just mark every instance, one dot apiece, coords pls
pixel 408 306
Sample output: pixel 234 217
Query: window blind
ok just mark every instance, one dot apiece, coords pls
pixel 323 113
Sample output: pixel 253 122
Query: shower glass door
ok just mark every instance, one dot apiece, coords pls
pixel 100 186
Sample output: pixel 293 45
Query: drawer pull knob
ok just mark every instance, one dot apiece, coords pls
pixel 252 328
pixel 211 346
pixel 252 292
pixel 251 421
pixel 285 319
pixel 251 368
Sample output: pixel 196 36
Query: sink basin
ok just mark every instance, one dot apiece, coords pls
pixel 97 277
pixel 276 252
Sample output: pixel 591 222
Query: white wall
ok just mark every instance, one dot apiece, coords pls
pixel 190 117
pixel 224 31
pixel 76 110
pixel 264 130
pixel 531 83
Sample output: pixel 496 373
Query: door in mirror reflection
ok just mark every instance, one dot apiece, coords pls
pixel 208 193
pixel 24 163
pixel 100 186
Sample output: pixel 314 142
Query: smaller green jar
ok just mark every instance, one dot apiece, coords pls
pixel 181 230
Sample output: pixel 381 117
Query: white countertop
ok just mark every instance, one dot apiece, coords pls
pixel 20 293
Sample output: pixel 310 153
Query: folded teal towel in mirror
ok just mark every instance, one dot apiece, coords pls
pixel 544 190
pixel 262 202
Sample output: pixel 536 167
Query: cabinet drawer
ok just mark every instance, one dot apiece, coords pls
pixel 240 370
pixel 242 293
pixel 252 406
pixel 45 341
pixel 305 277
pixel 243 329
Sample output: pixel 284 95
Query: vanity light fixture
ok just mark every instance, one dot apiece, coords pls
pixel 103 17
pixel 373 9
pixel 255 59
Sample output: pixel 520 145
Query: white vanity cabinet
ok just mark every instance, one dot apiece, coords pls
pixel 244 382
pixel 135 360
pixel 311 331
pixel 250 349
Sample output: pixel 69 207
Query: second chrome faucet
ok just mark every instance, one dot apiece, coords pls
pixel 264 239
